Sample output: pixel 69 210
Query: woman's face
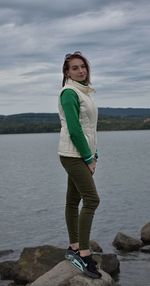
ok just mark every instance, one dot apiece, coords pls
pixel 77 70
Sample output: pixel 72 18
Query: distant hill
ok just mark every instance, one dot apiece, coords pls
pixel 124 112
pixel 30 117
pixel 29 123
pixel 108 119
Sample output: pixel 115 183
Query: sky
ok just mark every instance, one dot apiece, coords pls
pixel 35 36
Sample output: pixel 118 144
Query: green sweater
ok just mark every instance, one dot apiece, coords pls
pixel 71 106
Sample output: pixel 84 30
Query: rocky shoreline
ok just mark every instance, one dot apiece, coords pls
pixel 45 265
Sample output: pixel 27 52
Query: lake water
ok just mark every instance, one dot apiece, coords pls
pixel 33 186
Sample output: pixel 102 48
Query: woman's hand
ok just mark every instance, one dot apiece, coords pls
pixel 92 166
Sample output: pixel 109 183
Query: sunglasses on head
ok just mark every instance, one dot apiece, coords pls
pixel 68 56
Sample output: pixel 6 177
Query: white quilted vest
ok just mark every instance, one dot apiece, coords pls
pixel 87 118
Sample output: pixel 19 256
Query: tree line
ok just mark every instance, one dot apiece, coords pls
pixel 108 120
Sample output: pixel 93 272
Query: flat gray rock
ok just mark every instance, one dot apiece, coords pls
pixel 65 274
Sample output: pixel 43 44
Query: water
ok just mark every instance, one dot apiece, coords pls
pixel 32 195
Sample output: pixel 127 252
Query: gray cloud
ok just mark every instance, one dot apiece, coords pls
pixel 35 36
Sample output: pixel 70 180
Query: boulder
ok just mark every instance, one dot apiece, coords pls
pixel 126 243
pixel 65 274
pixel 8 270
pixel 145 233
pixel 108 263
pixel 95 247
pixel 35 261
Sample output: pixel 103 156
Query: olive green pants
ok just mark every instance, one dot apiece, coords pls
pixel 80 186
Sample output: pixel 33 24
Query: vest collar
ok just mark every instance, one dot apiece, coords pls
pixel 83 88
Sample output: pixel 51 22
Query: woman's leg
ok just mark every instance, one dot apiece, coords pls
pixel 84 187
pixel 72 213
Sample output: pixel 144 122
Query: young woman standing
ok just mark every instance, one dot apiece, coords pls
pixel 77 151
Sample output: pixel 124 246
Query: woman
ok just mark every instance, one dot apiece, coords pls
pixel 77 150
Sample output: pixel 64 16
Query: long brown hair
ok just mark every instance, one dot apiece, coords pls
pixel 67 60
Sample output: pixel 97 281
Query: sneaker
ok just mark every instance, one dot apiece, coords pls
pixel 86 265
pixel 70 253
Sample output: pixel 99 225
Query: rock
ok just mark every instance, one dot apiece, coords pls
pixel 6 252
pixel 108 263
pixel 35 261
pixel 95 247
pixel 145 233
pixel 65 274
pixel 8 270
pixel 126 243
pixel 145 249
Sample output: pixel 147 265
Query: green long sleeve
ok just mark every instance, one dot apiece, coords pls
pixel 71 106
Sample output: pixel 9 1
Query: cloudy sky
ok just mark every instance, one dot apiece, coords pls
pixel 36 34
